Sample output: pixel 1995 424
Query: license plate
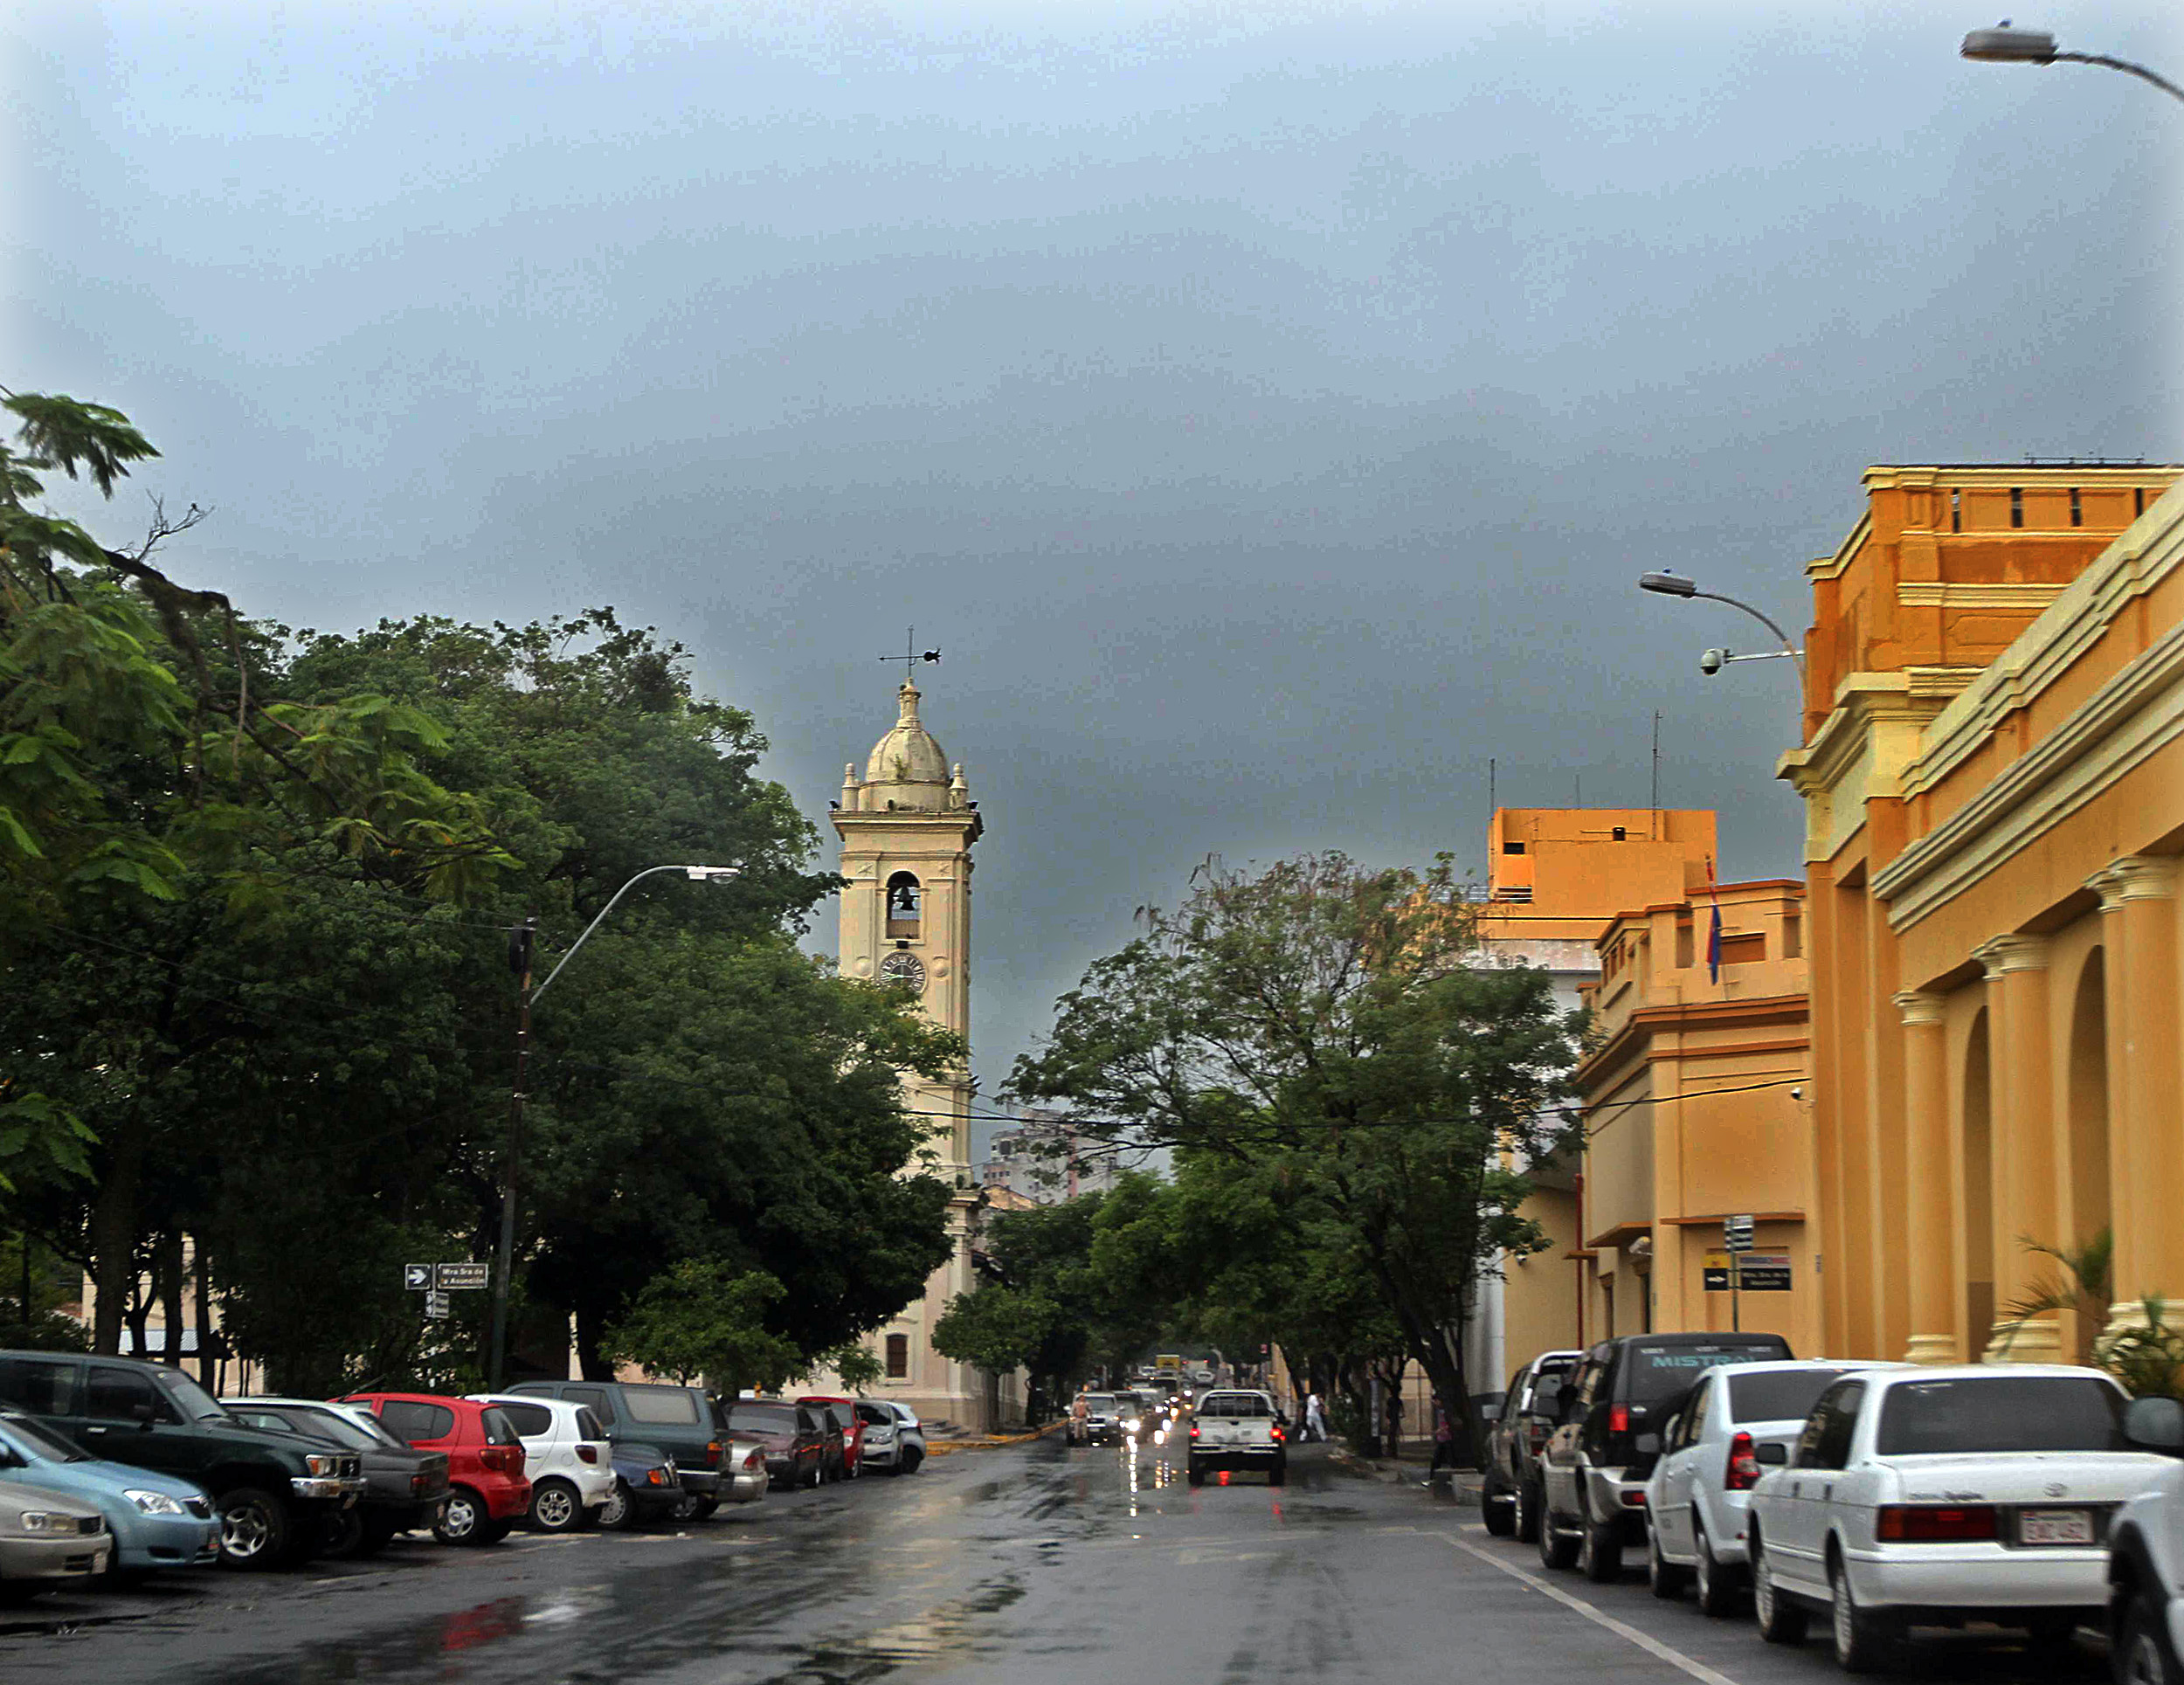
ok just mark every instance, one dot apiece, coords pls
pixel 2055 1526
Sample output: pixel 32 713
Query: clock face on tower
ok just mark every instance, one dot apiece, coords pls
pixel 900 967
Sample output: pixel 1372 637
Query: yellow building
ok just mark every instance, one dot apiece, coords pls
pixel 1993 782
pixel 1693 1114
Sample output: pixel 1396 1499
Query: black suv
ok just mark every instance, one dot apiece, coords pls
pixel 1595 1467
pixel 678 1419
pixel 276 1496
pixel 1509 1493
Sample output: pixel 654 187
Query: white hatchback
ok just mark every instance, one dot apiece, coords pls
pixel 1735 1424
pixel 565 1454
pixel 1934 1496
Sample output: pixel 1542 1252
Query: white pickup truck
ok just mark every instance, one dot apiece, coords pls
pixel 1232 1428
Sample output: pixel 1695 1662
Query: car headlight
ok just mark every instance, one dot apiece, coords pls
pixel 156 1503
pixel 323 1466
pixel 44 1520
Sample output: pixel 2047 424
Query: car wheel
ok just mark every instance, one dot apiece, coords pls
pixel 1716 1585
pixel 1279 1473
pixel 2051 1632
pixel 556 1507
pixel 2138 1658
pixel 1528 1513
pixel 377 1534
pixel 911 1457
pixel 1861 1637
pixel 1663 1577
pixel 618 1513
pixel 1194 1475
pixel 1780 1621
pixel 816 1476
pixel 1599 1550
pixel 345 1533
pixel 703 1508
pixel 1497 1508
pixel 464 1520
pixel 1556 1549
pixel 254 1529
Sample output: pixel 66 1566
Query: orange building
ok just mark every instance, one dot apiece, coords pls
pixel 1995 803
pixel 1693 1115
pixel 1556 877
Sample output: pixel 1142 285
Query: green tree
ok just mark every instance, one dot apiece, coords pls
pixel 1334 1028
pixel 703 1319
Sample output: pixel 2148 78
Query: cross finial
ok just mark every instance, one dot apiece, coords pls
pixel 911 655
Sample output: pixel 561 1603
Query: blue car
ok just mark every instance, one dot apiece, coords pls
pixel 158 1520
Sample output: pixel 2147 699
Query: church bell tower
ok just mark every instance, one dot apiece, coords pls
pixel 906 827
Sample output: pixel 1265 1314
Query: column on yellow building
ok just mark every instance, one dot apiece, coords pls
pixel 2023 1141
pixel 2139 903
pixel 1929 1219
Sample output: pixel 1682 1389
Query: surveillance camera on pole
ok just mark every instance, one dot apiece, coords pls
pixel 1710 663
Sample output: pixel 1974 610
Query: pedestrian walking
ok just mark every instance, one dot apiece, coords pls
pixel 1444 1437
pixel 1314 1417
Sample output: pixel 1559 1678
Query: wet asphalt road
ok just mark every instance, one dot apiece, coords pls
pixel 1033 1565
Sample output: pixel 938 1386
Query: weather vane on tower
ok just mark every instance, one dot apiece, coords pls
pixel 910 656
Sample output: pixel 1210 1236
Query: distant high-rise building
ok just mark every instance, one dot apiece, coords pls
pixel 1044 1159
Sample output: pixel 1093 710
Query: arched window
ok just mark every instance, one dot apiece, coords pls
pixel 905 901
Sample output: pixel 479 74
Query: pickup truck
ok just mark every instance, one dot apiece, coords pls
pixel 1233 1427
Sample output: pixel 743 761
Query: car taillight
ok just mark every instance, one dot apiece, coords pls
pixel 1619 1418
pixel 1536 1434
pixel 1277 1436
pixel 657 1477
pixel 588 1453
pixel 713 1454
pixel 754 1459
pixel 1194 1430
pixel 1934 1523
pixel 1742 1473
pixel 418 1483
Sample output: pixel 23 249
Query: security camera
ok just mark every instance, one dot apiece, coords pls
pixel 1798 1093
pixel 1710 663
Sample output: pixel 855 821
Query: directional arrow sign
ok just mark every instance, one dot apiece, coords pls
pixel 462 1277
pixel 436 1304
pixel 417 1276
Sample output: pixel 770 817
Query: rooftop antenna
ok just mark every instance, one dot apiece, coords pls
pixel 911 656
pixel 1656 775
pixel 1490 803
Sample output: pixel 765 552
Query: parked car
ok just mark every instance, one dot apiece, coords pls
pixel 1592 1480
pixel 844 1411
pixel 273 1492
pixel 1237 1427
pixel 796 1446
pixel 895 1439
pixel 1100 1422
pixel 567 1456
pixel 647 1487
pixel 156 1520
pixel 1733 1425
pixel 745 1478
pixel 46 1539
pixel 488 1492
pixel 2145 1558
pixel 1509 1494
pixel 403 1487
pixel 1933 1496
pixel 677 1421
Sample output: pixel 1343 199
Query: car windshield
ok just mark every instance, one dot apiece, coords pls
pixel 669 1407
pixel 1658 1373
pixel 1099 1401
pixel 764 1418
pixel 332 1424
pixel 192 1400
pixel 1235 1403
pixel 2015 1413
pixel 499 1429
pixel 1785 1395
pixel 50 1447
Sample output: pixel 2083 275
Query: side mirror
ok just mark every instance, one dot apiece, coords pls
pixel 2156 1425
pixel 144 1414
pixel 1772 1451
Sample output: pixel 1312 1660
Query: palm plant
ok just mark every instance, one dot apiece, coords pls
pixel 2079 1281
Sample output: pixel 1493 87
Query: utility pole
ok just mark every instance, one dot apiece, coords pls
pixel 520 941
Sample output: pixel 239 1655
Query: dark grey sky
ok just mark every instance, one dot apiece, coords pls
pixel 1267 408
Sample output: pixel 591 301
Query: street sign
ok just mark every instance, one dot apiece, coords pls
pixel 1737 1233
pixel 1756 1272
pixel 436 1304
pixel 416 1276
pixel 462 1277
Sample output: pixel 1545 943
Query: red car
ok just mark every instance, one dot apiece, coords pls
pixel 846 1416
pixel 488 1493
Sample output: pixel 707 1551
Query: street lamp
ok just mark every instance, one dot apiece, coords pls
pixel 1675 584
pixel 519 957
pixel 2005 46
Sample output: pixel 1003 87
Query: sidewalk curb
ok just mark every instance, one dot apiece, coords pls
pixel 987 1441
pixel 1461 1485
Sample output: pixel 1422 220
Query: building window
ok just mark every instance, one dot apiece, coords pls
pixel 1793 937
pixel 1746 947
pixel 2078 511
pixel 1512 848
pixel 2016 506
pixel 1956 512
pixel 2139 500
pixel 904 901
pixel 898 1357
pixel 1684 941
pixel 1621 834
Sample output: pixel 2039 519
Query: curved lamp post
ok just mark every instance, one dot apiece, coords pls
pixel 1675 584
pixel 520 957
pixel 2005 46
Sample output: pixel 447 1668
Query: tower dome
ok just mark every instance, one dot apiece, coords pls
pixel 907 754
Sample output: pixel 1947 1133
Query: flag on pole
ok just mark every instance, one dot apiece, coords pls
pixel 1713 933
